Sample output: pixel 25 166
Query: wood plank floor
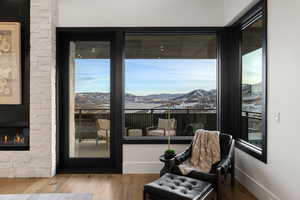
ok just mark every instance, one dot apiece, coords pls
pixel 102 186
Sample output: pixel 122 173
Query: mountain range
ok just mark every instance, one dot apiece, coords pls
pixel 199 96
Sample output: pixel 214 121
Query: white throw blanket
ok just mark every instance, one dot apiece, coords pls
pixel 205 152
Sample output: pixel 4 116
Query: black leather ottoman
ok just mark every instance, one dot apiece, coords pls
pixel 174 187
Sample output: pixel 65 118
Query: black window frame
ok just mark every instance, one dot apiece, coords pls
pixel 147 31
pixel 228 77
pixel 259 11
pixel 119 33
pixel 112 164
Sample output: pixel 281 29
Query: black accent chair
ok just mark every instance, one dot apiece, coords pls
pixel 219 170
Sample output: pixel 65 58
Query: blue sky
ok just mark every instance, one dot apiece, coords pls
pixel 148 76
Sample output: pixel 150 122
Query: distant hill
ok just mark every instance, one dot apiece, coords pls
pixel 198 96
pixel 161 97
pixel 91 99
pixel 251 92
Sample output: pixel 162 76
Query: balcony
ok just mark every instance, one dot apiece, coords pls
pixel 187 120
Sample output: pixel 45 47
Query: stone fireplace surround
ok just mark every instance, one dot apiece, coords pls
pixel 40 160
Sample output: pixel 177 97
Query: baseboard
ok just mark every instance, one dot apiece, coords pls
pixel 261 192
pixel 88 171
pixel 142 167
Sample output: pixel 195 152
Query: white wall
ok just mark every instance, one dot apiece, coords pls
pixel 140 13
pixel 233 9
pixel 144 158
pixel 279 178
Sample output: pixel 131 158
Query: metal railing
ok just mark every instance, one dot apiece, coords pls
pixel 251 127
pixel 187 119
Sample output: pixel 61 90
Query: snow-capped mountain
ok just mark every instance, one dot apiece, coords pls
pixel 190 99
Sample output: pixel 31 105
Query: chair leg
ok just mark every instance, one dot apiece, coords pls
pixel 219 193
pixel 107 139
pixel 219 185
pixel 232 176
pixel 107 144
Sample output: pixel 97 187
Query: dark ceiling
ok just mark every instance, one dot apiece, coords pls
pixel 155 46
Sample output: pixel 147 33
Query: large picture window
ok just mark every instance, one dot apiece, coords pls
pixel 170 84
pixel 252 130
pixel 252 83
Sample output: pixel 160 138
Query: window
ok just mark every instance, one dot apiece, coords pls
pixel 170 84
pixel 252 83
pixel 252 134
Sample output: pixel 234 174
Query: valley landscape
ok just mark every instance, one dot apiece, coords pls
pixel 196 99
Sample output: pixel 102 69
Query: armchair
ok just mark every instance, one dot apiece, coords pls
pixel 219 170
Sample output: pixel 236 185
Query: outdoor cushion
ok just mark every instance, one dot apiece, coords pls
pixel 166 123
pixel 161 132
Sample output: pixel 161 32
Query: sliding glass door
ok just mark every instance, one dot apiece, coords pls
pixel 89 93
pixel 89 140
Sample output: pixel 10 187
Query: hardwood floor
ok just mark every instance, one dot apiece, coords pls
pixel 102 186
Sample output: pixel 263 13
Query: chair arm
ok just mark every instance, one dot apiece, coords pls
pixel 227 162
pixel 180 158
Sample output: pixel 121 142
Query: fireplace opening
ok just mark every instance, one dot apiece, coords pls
pixel 14 139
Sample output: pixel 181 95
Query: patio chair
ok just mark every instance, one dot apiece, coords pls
pixel 103 130
pixel 165 127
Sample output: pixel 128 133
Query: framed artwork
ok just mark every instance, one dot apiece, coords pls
pixel 10 63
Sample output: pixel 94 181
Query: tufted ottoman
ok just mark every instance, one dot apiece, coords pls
pixel 174 187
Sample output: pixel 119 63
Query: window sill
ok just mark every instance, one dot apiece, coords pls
pixel 156 140
pixel 251 150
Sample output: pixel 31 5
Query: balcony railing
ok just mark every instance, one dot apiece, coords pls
pixel 251 127
pixel 188 120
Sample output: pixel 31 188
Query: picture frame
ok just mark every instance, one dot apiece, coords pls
pixel 10 63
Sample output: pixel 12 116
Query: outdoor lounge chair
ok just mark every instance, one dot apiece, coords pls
pixel 165 127
pixel 103 130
